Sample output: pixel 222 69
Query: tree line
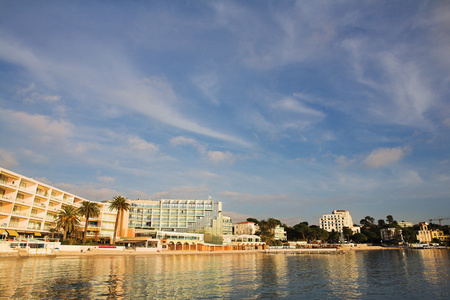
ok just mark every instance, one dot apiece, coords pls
pixel 370 231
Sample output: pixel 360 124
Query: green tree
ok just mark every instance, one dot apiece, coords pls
pixel 347 232
pixel 88 209
pixel 359 238
pixel 381 223
pixel 121 205
pixel 333 237
pixel 253 220
pixel 303 230
pixel 318 233
pixel 389 219
pixel 67 219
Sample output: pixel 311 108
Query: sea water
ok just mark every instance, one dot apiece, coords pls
pixel 383 274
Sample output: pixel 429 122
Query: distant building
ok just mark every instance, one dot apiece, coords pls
pixel 192 216
pixel 404 224
pixel 426 236
pixel 388 234
pixel 244 242
pixel 227 226
pixel 245 227
pixel 336 221
pixel 279 233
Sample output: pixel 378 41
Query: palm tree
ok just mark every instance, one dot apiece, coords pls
pixel 67 219
pixel 121 205
pixel 88 209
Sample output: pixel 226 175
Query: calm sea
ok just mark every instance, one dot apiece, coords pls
pixel 388 274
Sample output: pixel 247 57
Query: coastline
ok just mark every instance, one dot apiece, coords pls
pixel 97 252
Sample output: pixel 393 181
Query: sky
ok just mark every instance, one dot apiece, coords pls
pixel 283 109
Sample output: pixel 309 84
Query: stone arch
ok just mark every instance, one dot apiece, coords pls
pixel 171 246
pixel 179 246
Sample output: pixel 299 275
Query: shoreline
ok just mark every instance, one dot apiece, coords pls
pixel 103 253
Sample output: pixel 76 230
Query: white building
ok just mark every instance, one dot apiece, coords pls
pixel 388 234
pixel 279 233
pixel 336 221
pixel 245 227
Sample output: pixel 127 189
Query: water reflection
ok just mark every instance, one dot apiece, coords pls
pixel 372 274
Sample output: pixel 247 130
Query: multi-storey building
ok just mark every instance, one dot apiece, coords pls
pixel 29 207
pixel 279 233
pixel 227 226
pixel 404 224
pixel 425 235
pixel 388 234
pixel 170 215
pixel 245 227
pixel 336 221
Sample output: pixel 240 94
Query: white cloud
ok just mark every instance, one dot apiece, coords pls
pixel 40 128
pixel 384 156
pixel 136 143
pixel 183 141
pixel 121 85
pixel 8 159
pixel 221 157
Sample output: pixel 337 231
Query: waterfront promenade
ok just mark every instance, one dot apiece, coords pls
pixel 103 252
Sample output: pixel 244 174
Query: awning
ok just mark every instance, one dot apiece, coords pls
pixel 37 234
pixel 2 231
pixel 12 232
pixel 20 231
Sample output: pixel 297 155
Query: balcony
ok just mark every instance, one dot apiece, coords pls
pixel 34 226
pixel 5 211
pixel 13 225
pixel 6 197
pixel 39 204
pixel 5 182
pixel 19 213
pixel 50 218
pixel 36 216
pixel 44 194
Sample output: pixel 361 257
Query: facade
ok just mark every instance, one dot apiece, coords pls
pixel 426 236
pixel 245 227
pixel 388 234
pixel 279 233
pixel 175 215
pixel 404 224
pixel 336 221
pixel 29 208
pixel 227 226
pixel 244 242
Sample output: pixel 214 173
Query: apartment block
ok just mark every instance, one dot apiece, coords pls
pixel 336 221
pixel 29 207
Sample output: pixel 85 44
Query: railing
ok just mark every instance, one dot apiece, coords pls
pixel 50 218
pixel 7 183
pixel 45 194
pixel 36 216
pixel 14 225
pixel 34 226
pixel 19 213
pixel 5 197
pixel 5 211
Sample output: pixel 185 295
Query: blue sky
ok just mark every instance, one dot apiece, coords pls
pixel 278 109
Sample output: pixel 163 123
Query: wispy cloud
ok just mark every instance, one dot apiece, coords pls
pixel 384 156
